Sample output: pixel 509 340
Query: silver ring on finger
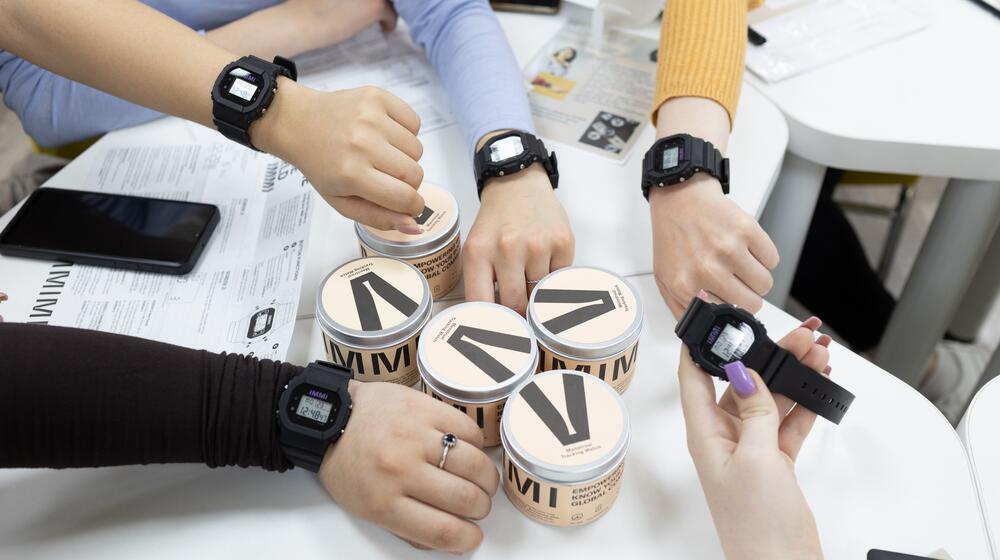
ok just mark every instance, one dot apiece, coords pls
pixel 448 441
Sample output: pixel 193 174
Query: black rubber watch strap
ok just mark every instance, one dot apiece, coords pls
pixel 305 451
pixel 807 387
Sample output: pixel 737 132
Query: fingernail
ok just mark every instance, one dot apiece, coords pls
pixel 702 294
pixel 409 230
pixel 827 370
pixel 3 296
pixel 824 340
pixel 740 379
pixel 812 323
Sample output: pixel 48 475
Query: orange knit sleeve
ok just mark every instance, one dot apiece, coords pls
pixel 702 44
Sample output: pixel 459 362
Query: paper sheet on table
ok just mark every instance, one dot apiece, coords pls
pixel 242 295
pixel 598 101
pixel 387 60
pixel 805 35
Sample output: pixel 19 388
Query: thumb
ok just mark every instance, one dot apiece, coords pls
pixel 755 407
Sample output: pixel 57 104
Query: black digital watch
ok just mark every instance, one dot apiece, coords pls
pixel 717 334
pixel 511 152
pixel 243 92
pixel 677 158
pixel 312 413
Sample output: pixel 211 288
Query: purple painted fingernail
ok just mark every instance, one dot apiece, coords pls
pixel 409 230
pixel 740 379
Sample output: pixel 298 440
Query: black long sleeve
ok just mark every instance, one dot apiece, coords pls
pixel 76 398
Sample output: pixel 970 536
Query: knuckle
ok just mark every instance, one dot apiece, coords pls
pixel 387 463
pixel 476 247
pixel 446 536
pixel 509 242
pixel 467 498
pixel 536 247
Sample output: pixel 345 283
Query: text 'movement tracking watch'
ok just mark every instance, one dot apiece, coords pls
pixel 511 152
pixel 312 413
pixel 717 334
pixel 243 92
pixel 677 158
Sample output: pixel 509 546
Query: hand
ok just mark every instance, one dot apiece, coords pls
pixel 358 147
pixel 385 468
pixel 744 450
pixel 330 21
pixel 703 240
pixel 521 233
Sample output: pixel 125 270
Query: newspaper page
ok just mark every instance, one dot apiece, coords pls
pixel 387 60
pixel 243 293
pixel 594 97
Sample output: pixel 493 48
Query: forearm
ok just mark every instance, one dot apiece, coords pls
pixel 75 398
pixel 125 48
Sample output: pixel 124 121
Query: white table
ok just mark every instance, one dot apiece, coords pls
pixel 925 104
pixel 978 430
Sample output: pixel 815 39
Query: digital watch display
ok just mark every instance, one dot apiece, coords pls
pixel 718 334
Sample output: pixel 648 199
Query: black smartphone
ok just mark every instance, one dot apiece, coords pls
pixel 876 554
pixel 533 6
pixel 110 230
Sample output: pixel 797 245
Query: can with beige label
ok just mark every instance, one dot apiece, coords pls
pixel 565 435
pixel 435 252
pixel 371 311
pixel 589 320
pixel 472 356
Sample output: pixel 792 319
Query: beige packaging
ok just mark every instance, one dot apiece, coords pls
pixel 589 320
pixel 371 311
pixel 435 252
pixel 472 356
pixel 565 435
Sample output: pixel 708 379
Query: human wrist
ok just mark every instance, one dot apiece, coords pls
pixel 702 189
pixel 276 130
pixel 532 181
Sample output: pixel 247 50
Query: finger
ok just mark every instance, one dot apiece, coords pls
pixel 404 140
pixel 798 342
pixel 512 283
pixel 733 290
pixel 417 522
pixel 465 461
pixel 812 323
pixel 448 493
pixel 795 429
pixel 562 254
pixel 697 399
pixel 449 420
pixel 676 307
pixel 752 273
pixel 478 274
pixel 538 266
pixel 755 408
pixel 393 194
pixel 371 214
pixel 393 162
pixel 816 358
pixel 401 113
pixel 763 248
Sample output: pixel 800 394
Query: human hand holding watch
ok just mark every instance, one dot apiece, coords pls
pixel 702 239
pixel 744 449
pixel 521 232
pixel 391 455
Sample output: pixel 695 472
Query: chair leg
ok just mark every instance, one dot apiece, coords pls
pixel 896 224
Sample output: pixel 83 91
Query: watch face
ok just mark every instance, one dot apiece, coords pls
pixel 728 340
pixel 671 156
pixel 506 148
pixel 241 86
pixel 313 407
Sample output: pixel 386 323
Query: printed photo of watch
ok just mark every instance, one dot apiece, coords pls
pixel 717 334
pixel 243 92
pixel 313 411
pixel 512 152
pixel 677 158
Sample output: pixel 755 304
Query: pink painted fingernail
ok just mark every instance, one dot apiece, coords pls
pixel 740 378
pixel 409 230
pixel 824 340
pixel 827 370
pixel 702 294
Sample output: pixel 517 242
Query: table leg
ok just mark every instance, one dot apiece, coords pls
pixel 787 216
pixel 958 237
pixel 979 298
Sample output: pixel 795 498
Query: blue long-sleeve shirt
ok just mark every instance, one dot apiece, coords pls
pixel 463 40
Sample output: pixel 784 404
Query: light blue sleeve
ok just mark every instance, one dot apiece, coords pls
pixel 55 111
pixel 469 50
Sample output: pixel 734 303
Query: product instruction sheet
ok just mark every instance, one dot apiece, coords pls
pixel 593 94
pixel 243 293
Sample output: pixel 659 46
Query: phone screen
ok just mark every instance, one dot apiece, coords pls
pixel 116 227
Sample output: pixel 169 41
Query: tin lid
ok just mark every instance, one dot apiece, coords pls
pixel 476 352
pixel 585 313
pixel 439 221
pixel 565 426
pixel 373 302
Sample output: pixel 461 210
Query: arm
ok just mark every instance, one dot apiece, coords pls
pixel 698 85
pixel 521 232
pixel 56 111
pixel 112 49
pixel 105 399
